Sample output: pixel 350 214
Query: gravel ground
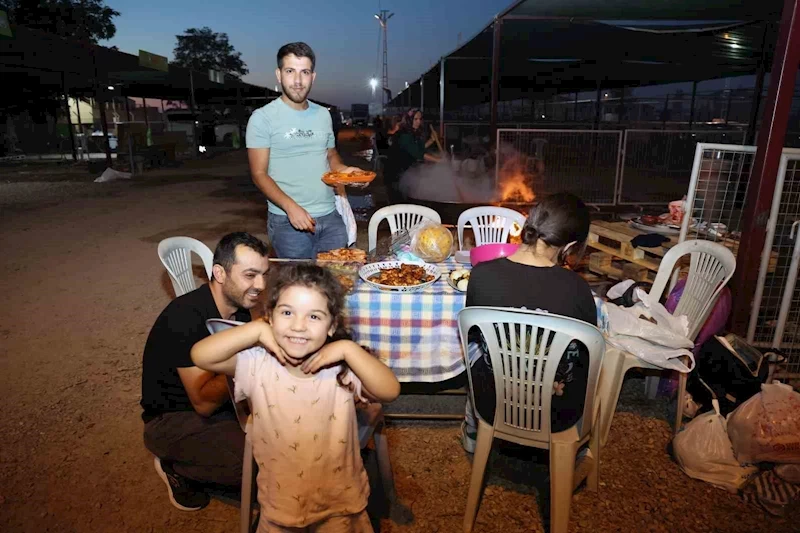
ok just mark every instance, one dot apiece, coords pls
pixel 82 286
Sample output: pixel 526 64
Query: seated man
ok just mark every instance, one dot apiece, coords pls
pixel 190 424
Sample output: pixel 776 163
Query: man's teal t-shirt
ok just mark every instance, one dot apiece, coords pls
pixel 298 155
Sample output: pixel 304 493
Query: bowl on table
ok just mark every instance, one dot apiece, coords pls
pixel 487 252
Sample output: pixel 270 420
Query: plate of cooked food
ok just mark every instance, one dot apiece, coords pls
pixel 459 279
pixel 361 177
pixel 344 263
pixel 398 276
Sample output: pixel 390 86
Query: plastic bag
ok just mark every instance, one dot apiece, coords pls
pixel 703 451
pixel 767 426
pixel 431 242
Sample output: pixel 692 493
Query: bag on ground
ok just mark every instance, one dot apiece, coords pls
pixel 703 451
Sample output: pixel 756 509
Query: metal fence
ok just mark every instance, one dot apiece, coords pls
pixel 718 188
pixel 657 164
pixel 583 162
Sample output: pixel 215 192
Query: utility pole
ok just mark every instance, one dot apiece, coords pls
pixel 383 19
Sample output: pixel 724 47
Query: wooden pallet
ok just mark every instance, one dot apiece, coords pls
pixel 607 265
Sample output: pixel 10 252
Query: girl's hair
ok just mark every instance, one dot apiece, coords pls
pixel 557 220
pixel 407 123
pixel 321 280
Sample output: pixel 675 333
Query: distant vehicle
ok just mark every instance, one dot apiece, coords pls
pixel 359 114
pixel 112 139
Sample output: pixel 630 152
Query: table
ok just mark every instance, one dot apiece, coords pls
pixel 413 333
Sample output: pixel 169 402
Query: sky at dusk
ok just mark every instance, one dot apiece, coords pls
pixel 344 35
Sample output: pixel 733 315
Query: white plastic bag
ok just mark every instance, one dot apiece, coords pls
pixel 661 344
pixel 703 451
pixel 767 426
pixel 346 212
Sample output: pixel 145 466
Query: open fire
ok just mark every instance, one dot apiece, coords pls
pixel 515 178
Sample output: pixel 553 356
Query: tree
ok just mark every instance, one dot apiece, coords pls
pixel 203 49
pixel 86 20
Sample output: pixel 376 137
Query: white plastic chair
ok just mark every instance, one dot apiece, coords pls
pixel 489 223
pixel 399 216
pixel 710 268
pixel 176 256
pixel 371 424
pixel 524 371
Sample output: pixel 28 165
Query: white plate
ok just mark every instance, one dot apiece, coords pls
pixel 450 282
pixel 374 268
pixel 660 229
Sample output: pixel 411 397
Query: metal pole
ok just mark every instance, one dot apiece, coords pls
pixel 771 136
pixel 240 115
pixel 146 120
pixel 758 89
pixel 422 95
pixel 497 27
pixel 728 105
pixel 621 105
pixel 597 108
pixel 664 112
pixel 191 108
pixel 441 98
pixel 69 117
pixel 101 105
pixel 691 106
pixel 575 111
pixel 127 109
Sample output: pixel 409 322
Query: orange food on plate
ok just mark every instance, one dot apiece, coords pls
pixel 403 276
pixel 341 178
pixel 343 254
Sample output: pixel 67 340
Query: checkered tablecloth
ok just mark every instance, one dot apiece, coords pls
pixel 416 333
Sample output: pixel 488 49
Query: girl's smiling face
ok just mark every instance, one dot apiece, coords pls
pixel 301 321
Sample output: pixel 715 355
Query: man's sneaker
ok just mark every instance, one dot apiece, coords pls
pixel 181 494
pixel 468 438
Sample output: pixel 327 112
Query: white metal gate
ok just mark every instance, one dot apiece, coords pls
pixel 715 201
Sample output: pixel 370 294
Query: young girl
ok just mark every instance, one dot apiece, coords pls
pixel 534 278
pixel 302 395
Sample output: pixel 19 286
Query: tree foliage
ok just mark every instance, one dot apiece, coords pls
pixel 86 20
pixel 203 49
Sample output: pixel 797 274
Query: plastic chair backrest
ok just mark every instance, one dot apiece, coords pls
pixel 525 348
pixel 710 268
pixel 215 325
pixel 489 223
pixel 399 216
pixel 175 255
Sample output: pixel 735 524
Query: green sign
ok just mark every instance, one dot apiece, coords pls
pixel 5 27
pixel 148 60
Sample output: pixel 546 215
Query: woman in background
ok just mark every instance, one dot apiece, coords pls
pixel 408 148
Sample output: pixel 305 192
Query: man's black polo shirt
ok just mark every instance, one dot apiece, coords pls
pixel 179 326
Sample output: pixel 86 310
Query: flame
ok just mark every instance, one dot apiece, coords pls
pixel 514 178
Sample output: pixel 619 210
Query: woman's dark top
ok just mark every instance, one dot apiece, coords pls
pixel 504 283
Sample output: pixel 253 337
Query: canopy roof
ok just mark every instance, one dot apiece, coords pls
pixel 556 46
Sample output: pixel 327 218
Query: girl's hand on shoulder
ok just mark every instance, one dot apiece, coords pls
pixel 267 339
pixel 327 355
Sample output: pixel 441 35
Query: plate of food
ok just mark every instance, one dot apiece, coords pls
pixel 459 279
pixel 344 263
pixel 398 276
pixel 653 224
pixel 360 177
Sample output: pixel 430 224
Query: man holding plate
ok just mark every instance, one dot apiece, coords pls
pixel 290 145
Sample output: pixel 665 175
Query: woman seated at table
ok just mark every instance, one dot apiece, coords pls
pixel 534 278
pixel 408 148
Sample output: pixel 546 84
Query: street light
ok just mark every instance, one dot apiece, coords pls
pixel 373 83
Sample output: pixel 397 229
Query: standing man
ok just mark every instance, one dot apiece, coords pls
pixel 290 145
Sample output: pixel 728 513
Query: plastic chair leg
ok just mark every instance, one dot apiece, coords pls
pixel 248 475
pixel 651 386
pixel 384 463
pixel 562 471
pixel 483 448
pixel 682 378
pixel 593 480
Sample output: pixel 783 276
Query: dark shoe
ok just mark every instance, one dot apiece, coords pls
pixel 181 493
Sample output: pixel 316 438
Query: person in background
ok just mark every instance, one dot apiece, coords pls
pixel 189 422
pixel 408 148
pixel 557 227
